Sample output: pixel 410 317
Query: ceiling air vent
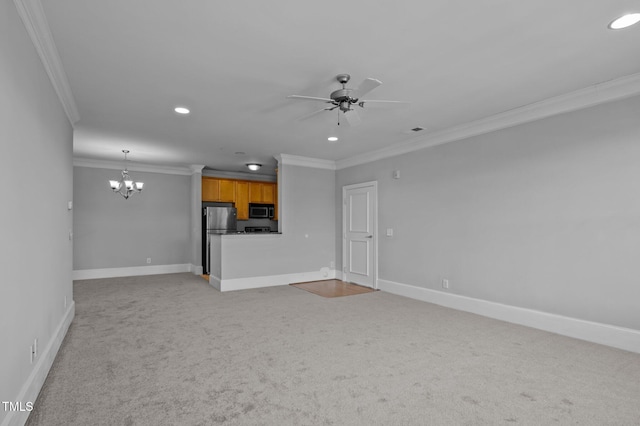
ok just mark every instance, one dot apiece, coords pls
pixel 413 130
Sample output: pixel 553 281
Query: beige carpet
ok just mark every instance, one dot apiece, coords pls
pixel 171 350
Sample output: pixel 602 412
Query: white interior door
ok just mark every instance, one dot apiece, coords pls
pixel 360 239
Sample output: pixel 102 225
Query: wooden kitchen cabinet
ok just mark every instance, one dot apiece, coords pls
pixel 262 192
pixel 242 200
pixel 210 189
pixel 227 190
pixel 255 192
pixel 268 193
pixel 275 195
pixel 220 190
pixel 275 210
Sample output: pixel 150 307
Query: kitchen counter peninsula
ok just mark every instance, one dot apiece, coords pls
pixel 263 259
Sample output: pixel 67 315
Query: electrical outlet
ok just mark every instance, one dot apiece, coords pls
pixel 148 260
pixel 31 354
pixel 445 283
pixel 332 264
pixel 35 347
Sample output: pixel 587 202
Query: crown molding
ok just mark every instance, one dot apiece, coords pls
pixel 35 21
pixel 196 168
pixel 609 91
pixel 294 160
pixel 135 167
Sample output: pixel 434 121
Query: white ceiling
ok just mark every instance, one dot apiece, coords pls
pixel 129 63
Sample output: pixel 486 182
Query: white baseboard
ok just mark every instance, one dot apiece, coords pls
pixel 33 385
pixel 196 270
pixel 215 282
pixel 604 334
pixel 90 274
pixel 271 280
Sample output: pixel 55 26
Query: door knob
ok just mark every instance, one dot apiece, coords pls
pixel 369 236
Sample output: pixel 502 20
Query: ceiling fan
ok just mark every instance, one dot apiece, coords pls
pixel 345 99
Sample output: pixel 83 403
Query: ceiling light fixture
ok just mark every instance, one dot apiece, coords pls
pixel 332 138
pixel 182 110
pixel 125 187
pixel 625 21
pixel 254 166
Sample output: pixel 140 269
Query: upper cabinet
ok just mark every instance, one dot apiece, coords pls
pixel 210 189
pixel 221 190
pixel 269 193
pixel 262 192
pixel 228 190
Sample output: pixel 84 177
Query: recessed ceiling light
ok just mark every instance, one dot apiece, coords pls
pixel 254 166
pixel 625 21
pixel 332 138
pixel 181 110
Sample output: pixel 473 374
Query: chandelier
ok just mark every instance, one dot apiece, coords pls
pixel 126 186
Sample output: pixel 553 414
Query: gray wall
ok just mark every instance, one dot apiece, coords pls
pixel 544 215
pixel 36 172
pixel 111 232
pixel 307 207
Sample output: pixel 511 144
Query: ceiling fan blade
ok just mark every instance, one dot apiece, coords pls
pixel 309 98
pixel 366 86
pixel 352 116
pixel 381 103
pixel 307 116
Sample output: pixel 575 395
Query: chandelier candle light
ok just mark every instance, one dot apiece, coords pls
pixel 125 187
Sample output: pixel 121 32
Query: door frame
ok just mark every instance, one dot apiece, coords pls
pixel 374 269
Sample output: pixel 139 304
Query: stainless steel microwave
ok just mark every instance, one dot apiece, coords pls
pixel 261 211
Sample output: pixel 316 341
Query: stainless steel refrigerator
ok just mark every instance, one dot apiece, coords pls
pixel 216 220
